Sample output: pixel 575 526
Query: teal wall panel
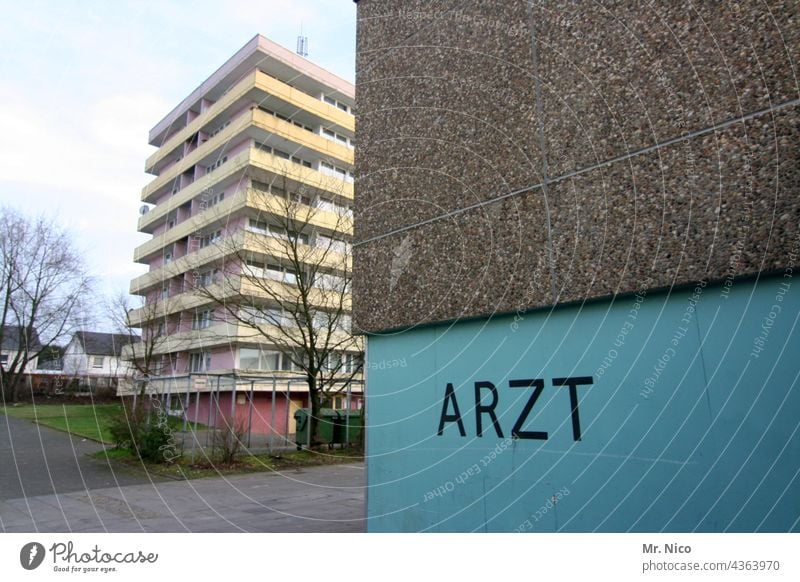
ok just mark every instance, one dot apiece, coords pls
pixel 686 426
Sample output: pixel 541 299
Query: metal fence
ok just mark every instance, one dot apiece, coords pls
pixel 181 396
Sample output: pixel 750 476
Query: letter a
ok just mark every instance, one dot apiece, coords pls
pixel 450 394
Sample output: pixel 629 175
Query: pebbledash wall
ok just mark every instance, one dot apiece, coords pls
pixel 577 229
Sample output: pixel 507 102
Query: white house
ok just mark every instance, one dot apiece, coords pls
pixel 93 358
pixel 15 336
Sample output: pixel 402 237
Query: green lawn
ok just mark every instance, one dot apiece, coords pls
pixel 246 463
pixel 84 420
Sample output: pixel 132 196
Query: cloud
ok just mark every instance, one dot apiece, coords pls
pixel 99 150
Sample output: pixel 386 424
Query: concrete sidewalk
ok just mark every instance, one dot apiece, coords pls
pixel 315 499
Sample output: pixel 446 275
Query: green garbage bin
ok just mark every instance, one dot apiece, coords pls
pixel 347 427
pixel 325 422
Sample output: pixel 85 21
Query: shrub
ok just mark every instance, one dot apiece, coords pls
pixel 142 430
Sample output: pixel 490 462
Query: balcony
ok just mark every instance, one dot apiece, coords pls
pixel 190 226
pixel 214 335
pixel 220 334
pixel 258 159
pixel 260 82
pixel 249 198
pixel 241 241
pixel 172 305
pixel 233 286
pixel 243 127
pixel 303 137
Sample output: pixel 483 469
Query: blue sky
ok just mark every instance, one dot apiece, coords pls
pixel 82 83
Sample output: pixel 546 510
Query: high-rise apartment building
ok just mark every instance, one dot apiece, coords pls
pixel 267 135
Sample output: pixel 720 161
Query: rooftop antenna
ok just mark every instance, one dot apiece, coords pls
pixel 302 43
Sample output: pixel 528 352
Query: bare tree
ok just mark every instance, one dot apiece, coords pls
pixel 142 426
pixel 44 290
pixel 147 327
pixel 287 279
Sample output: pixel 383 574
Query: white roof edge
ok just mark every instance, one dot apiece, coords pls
pixel 277 51
pixel 306 66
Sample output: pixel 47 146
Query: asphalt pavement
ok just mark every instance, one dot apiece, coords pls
pixel 49 484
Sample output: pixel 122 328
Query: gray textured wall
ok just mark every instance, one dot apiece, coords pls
pixel 515 155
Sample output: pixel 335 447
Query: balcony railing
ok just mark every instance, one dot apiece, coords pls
pixel 265 83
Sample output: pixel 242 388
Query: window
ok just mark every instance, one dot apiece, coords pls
pixel 351 362
pixel 257 359
pixel 288 365
pixel 345 323
pixel 220 128
pixel 258 226
pixel 207 278
pixel 335 103
pixel 283 274
pixel 3 359
pixel 326 204
pixel 334 244
pixel 281 154
pixel 262 147
pixel 210 200
pixel 330 282
pixel 298 198
pixel 217 164
pixel 97 361
pixel 164 290
pixel 202 319
pixel 167 257
pixel 321 319
pixel 199 362
pixel 280 192
pixel 280 232
pixel 263 186
pixel 262 315
pixel 298 124
pixel 253 268
pixel 273 316
pixel 283 117
pixel 333 136
pixel 210 238
pixel 333 361
pixel 274 272
pixel 335 171
pixel 277 232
